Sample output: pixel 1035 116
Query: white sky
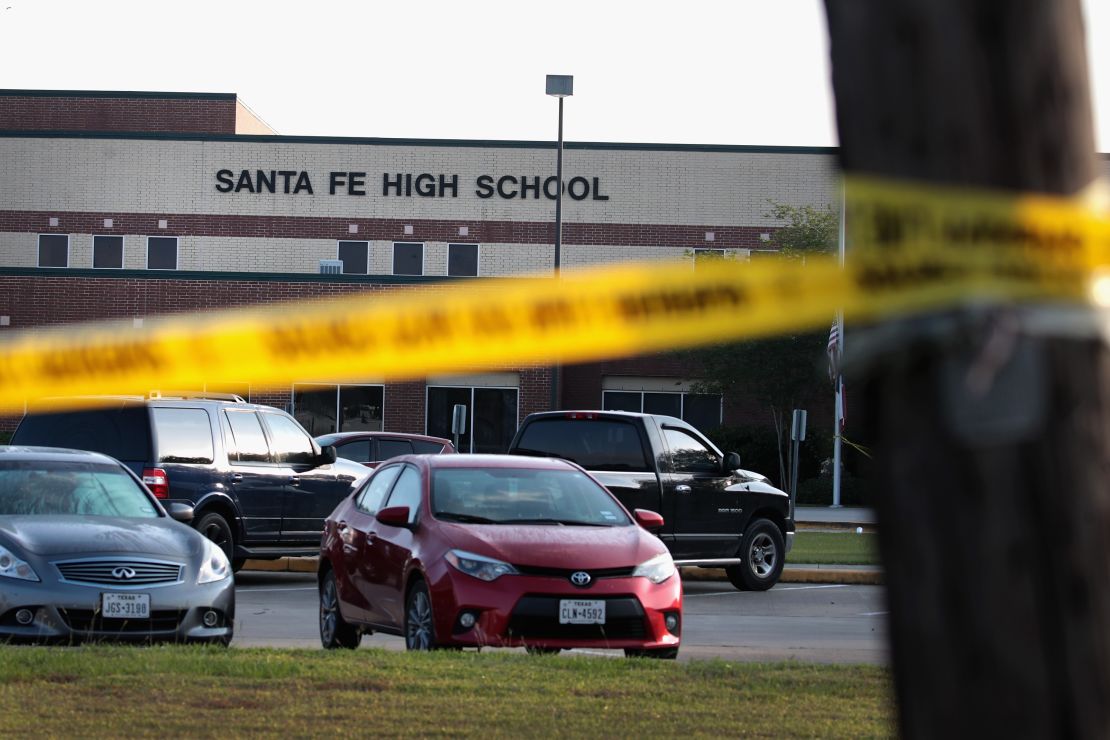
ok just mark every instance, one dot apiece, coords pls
pixel 727 72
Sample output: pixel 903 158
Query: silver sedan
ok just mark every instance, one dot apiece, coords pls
pixel 88 553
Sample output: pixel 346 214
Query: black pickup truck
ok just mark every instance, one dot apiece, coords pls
pixel 716 515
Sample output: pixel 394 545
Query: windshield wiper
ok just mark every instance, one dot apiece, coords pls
pixel 560 522
pixel 465 518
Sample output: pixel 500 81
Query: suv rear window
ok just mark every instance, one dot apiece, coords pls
pixel 184 435
pixel 595 444
pixel 122 433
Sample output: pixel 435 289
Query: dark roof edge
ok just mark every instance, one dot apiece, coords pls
pixel 114 94
pixel 373 141
pixel 264 277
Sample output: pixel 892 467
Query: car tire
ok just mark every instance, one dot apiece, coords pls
pixel 670 653
pixel 215 527
pixel 420 633
pixel 762 556
pixel 335 632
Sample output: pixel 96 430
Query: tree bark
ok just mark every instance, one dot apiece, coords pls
pixel 995 536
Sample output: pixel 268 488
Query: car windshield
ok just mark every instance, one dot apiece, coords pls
pixel 523 496
pixel 88 489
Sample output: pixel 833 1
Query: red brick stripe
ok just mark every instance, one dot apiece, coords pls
pixel 311 227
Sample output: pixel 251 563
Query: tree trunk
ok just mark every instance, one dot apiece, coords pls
pixel 994 505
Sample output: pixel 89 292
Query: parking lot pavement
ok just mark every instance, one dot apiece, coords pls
pixel 827 623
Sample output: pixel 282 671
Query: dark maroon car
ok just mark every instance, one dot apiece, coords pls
pixel 495 550
pixel 371 448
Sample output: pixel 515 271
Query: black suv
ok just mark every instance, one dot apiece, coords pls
pixel 260 486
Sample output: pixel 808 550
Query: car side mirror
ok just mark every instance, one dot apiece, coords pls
pixel 395 516
pixel 180 512
pixel 327 456
pixel 731 462
pixel 649 520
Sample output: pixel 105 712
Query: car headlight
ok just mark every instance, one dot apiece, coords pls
pixel 13 567
pixel 481 567
pixel 656 570
pixel 215 566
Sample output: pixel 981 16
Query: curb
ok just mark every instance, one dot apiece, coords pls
pixel 789 574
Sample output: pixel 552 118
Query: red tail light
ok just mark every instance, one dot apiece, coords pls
pixel 157 482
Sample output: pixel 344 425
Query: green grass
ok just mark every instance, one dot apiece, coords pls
pixel 834 548
pixel 208 692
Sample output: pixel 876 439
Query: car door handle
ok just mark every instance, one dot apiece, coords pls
pixel 341 526
pixel 294 480
pixel 371 536
pixel 683 489
pixel 237 478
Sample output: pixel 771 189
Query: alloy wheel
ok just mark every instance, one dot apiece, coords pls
pixel 418 627
pixel 329 611
pixel 762 555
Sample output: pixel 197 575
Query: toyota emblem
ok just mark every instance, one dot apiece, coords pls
pixel 123 573
pixel 580 578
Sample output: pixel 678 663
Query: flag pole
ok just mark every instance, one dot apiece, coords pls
pixel 838 404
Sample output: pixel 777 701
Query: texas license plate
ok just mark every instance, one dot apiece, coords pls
pixel 581 612
pixel 125 606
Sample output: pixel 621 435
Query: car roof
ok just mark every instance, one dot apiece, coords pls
pixel 344 436
pixel 12 453
pixel 94 403
pixel 522 462
pixel 582 414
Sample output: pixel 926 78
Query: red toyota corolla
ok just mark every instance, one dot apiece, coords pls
pixel 492 550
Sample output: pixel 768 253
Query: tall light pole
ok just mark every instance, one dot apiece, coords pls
pixel 558 86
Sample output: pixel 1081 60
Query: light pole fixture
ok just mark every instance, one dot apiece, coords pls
pixel 559 86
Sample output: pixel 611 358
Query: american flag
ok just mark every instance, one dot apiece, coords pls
pixel 833 350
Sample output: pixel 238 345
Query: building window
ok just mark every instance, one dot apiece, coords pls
pixel 108 252
pixel 408 258
pixel 355 257
pixel 323 409
pixel 161 253
pixel 53 250
pixel 462 260
pixel 707 255
pixel 700 410
pixel 491 416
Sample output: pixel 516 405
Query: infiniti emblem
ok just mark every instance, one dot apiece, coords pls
pixel 580 578
pixel 123 573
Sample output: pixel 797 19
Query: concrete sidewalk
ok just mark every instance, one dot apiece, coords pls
pixel 846 516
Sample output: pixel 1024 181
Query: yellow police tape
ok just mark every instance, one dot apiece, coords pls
pixel 912 248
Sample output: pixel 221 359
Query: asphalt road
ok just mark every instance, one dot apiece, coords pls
pixel 811 622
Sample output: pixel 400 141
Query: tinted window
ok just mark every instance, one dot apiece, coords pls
pixel 388 448
pixel 507 495
pixel 494 422
pixel 427 448
pixel 353 255
pixel 663 403
pixel 183 435
pixel 689 454
pixel 161 253
pixel 122 433
pixel 441 402
pixel 622 401
pixel 407 492
pixel 595 444
pixel 291 444
pixel 250 442
pixel 53 250
pixel 462 260
pixel 314 407
pixel 408 258
pixel 360 408
pixel 87 489
pixel 358 451
pixel 370 498
pixel 702 411
pixel 108 251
